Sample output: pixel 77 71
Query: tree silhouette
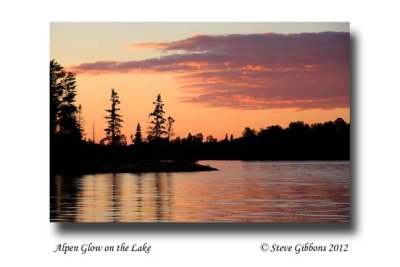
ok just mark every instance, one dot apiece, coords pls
pixel 189 138
pixel 170 129
pixel 64 124
pixel 138 135
pixel 226 138
pixel 197 138
pixel 211 139
pixel 56 74
pixel 157 127
pixel 249 133
pixel 114 123
pixel 81 120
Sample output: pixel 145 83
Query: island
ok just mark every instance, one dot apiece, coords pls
pixel 133 167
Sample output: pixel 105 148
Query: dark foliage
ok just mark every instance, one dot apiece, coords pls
pixel 138 135
pixel 114 136
pixel 157 128
pixel 64 125
pixel 300 141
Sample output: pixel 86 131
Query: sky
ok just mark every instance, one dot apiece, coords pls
pixel 214 78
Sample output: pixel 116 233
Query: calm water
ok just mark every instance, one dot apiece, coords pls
pixel 238 192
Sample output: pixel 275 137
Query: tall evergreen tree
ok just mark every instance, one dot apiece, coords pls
pixel 64 125
pixel 56 89
pixel 138 135
pixel 157 125
pixel 81 119
pixel 114 123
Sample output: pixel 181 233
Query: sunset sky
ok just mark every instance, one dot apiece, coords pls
pixel 214 78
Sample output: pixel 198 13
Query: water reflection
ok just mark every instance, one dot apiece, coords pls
pixel 239 192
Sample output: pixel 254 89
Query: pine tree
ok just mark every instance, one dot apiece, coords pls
pixel 114 123
pixel 64 125
pixel 81 120
pixel 157 125
pixel 56 89
pixel 138 135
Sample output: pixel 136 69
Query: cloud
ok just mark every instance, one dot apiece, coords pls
pixel 148 45
pixel 251 71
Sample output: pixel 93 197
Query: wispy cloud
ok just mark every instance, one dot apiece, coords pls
pixel 148 45
pixel 251 71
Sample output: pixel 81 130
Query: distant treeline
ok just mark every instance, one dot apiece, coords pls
pixel 71 151
pixel 299 141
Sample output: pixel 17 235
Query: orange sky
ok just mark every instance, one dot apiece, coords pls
pixel 206 84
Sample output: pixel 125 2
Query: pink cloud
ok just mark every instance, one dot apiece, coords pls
pixel 251 71
pixel 148 45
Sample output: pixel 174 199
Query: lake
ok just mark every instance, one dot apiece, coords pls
pixel 241 191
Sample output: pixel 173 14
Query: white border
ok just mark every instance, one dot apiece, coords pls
pixel 27 235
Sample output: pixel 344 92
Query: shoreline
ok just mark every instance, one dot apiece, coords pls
pixel 134 167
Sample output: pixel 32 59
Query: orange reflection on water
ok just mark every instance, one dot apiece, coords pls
pixel 238 192
pixel 123 198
